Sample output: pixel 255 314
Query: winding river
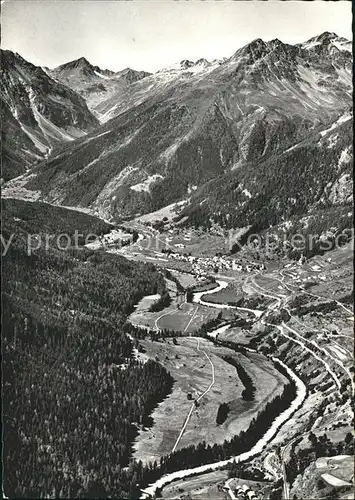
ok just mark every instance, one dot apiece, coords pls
pixel 197 298
pixel 269 435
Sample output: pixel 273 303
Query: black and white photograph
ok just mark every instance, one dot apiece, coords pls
pixel 177 249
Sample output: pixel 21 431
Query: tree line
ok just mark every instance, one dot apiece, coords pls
pixel 249 387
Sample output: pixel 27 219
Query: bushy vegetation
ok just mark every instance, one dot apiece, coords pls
pixel 171 277
pixel 249 387
pixel 160 304
pixel 319 446
pixel 222 413
pixel 245 471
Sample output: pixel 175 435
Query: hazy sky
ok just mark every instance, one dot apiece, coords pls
pixel 150 35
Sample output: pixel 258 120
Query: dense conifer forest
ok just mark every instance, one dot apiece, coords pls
pixel 73 392
pixel 37 217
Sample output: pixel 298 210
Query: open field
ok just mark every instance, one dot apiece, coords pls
pixel 192 373
pixel 197 242
pixel 272 284
pixel 204 486
pixel 186 280
pixel 225 296
pixel 236 334
pixel 200 244
pixel 146 303
pixel 189 318
pixel 179 316
pixel 268 383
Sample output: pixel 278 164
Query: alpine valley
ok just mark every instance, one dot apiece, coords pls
pixel 185 345
pixel 263 135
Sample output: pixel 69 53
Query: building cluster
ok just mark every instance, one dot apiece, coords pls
pixel 244 492
pixel 202 265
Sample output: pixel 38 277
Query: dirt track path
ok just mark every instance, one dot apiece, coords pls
pixel 199 398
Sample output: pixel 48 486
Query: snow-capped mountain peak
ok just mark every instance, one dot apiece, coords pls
pixel 327 40
pixel 92 82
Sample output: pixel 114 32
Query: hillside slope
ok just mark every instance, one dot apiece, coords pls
pixel 38 114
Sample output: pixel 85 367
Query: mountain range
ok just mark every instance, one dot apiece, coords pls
pixel 257 138
pixel 93 83
pixel 38 114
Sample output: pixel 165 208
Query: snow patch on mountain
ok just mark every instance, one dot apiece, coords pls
pixel 100 75
pixel 146 185
pixel 345 157
pixel 311 44
pixel 344 118
pixel 344 76
pixel 342 189
pixel 344 45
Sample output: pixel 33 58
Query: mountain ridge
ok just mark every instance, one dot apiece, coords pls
pixel 169 134
pixel 92 82
pixel 39 112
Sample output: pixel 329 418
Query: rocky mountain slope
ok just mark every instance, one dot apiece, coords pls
pixel 252 139
pixel 38 114
pixel 93 83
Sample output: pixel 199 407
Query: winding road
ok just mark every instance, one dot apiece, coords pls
pixel 280 300
pixel 163 316
pixel 268 437
pixel 259 446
